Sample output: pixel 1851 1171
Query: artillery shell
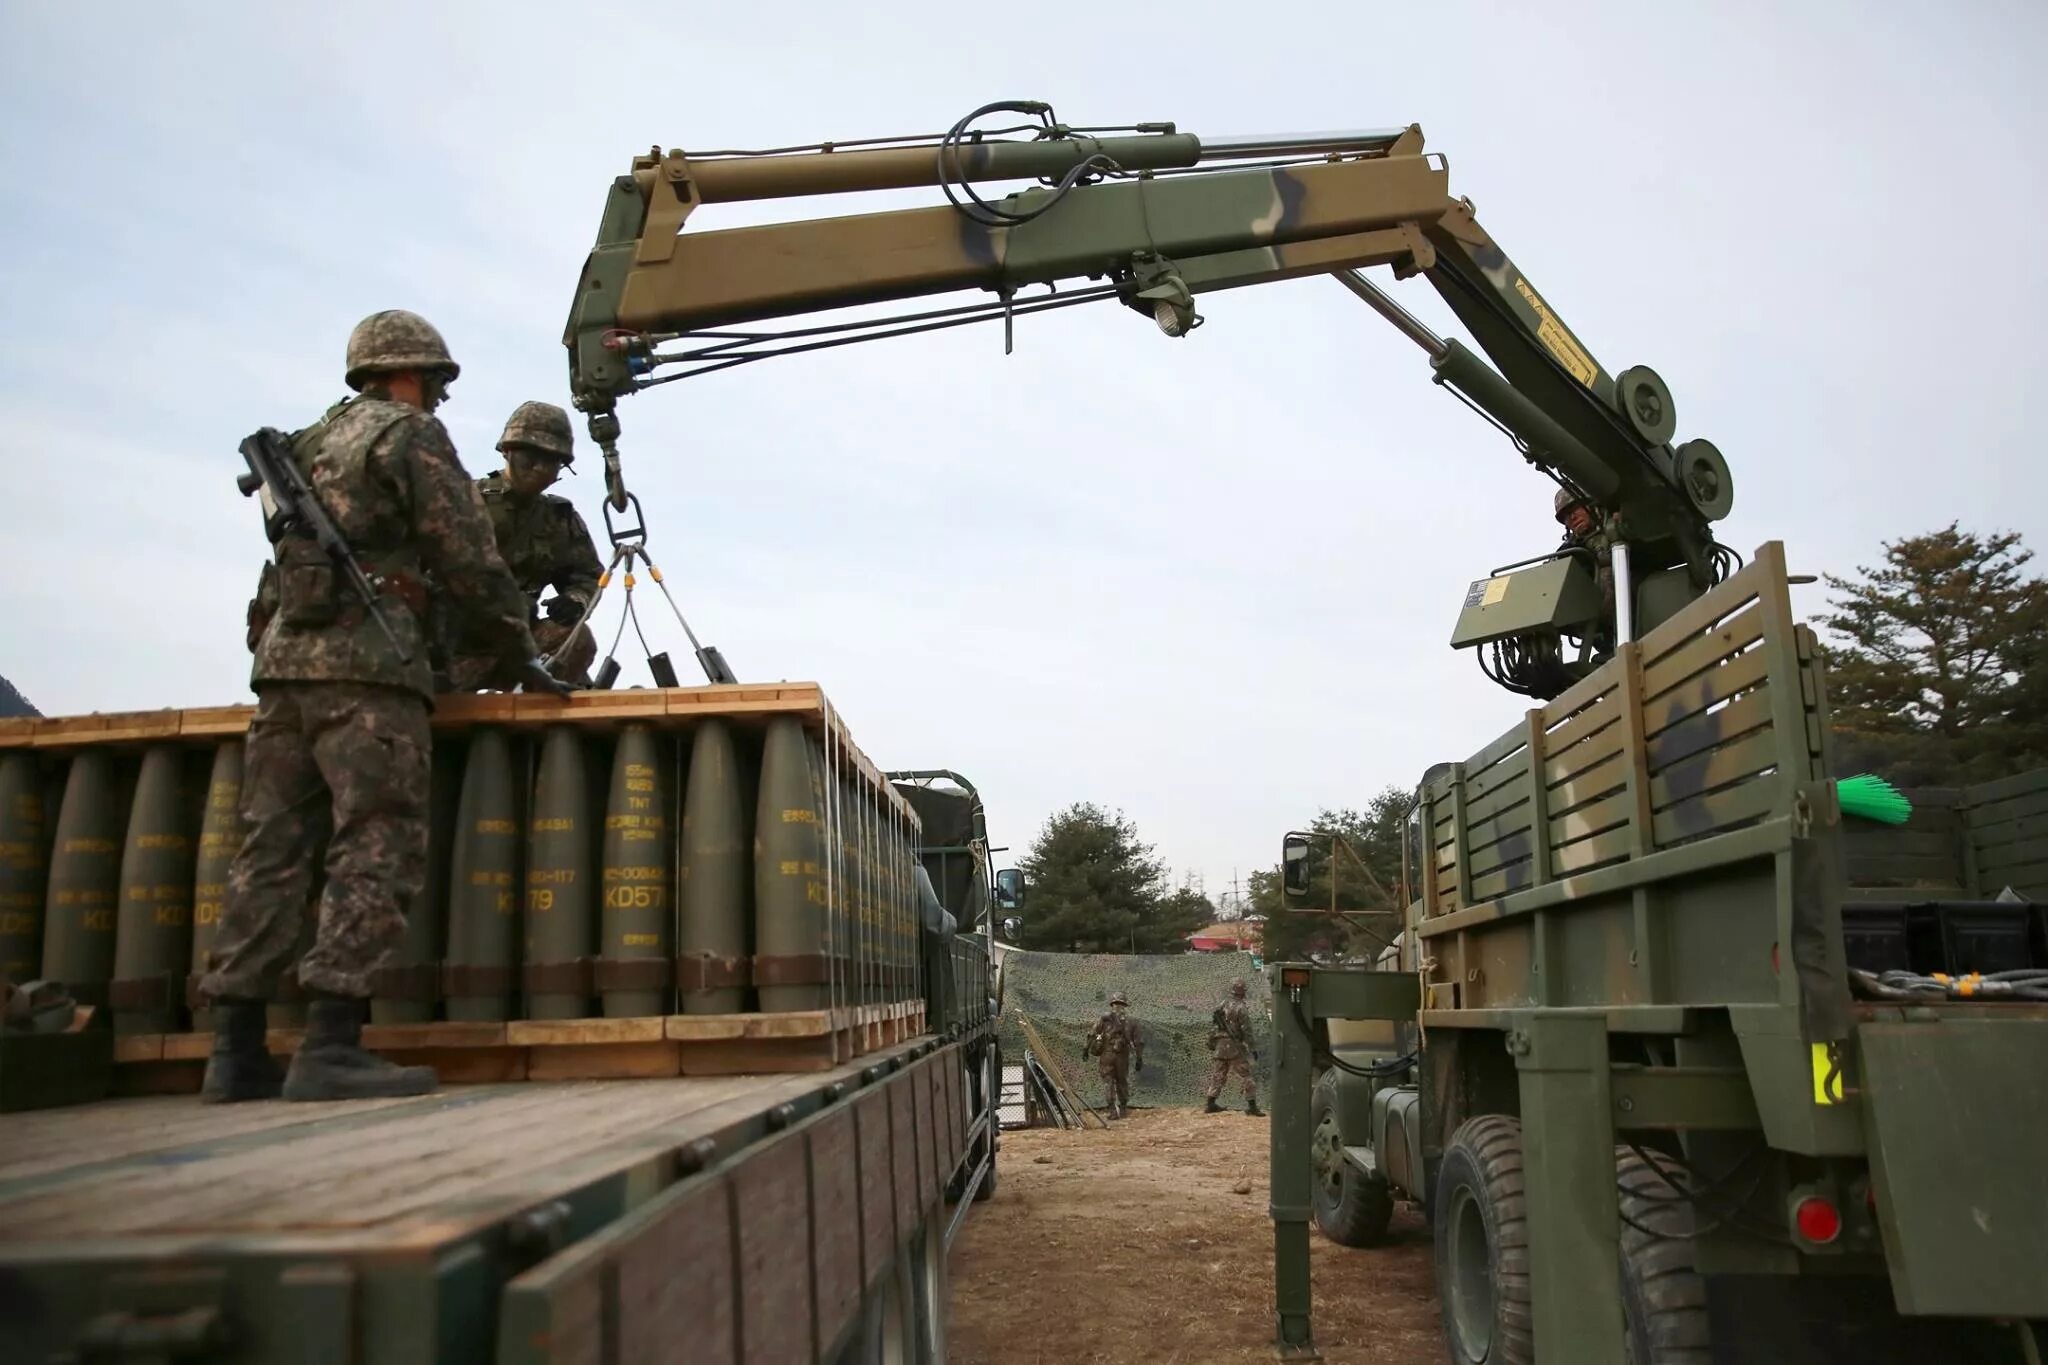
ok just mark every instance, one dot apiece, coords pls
pixel 221 832
pixel 483 893
pixel 560 921
pixel 85 878
pixel 712 947
pixel 153 929
pixel 638 917
pixel 791 971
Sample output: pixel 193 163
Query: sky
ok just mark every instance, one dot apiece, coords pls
pixel 1207 582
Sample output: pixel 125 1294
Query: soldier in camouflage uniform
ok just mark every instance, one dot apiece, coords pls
pixel 544 543
pixel 1116 1046
pixel 335 774
pixel 1230 1051
pixel 1584 530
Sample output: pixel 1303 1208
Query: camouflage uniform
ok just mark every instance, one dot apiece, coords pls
pixel 1116 1046
pixel 545 544
pixel 1598 537
pixel 1230 1046
pixel 336 766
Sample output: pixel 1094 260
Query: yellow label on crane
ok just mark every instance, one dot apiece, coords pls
pixel 1496 589
pixel 1559 342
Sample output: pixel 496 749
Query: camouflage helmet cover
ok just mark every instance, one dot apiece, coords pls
pixel 540 426
pixel 1237 986
pixel 1564 502
pixel 393 340
pixel 1118 999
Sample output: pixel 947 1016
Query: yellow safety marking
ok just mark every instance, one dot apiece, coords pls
pixel 1559 342
pixel 1824 1068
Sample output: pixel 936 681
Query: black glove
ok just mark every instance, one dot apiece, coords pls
pixel 564 609
pixel 534 677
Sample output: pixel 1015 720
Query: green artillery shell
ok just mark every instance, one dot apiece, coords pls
pixel 410 980
pixel 711 939
pixel 220 837
pixel 85 878
pixel 561 921
pixel 790 970
pixel 153 929
pixel 637 921
pixel 483 893
pixel 22 867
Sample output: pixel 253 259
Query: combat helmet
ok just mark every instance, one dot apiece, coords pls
pixel 540 426
pixel 1118 999
pixel 396 340
pixel 1237 986
pixel 1563 503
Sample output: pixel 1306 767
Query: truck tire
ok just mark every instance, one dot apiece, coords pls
pixel 1352 1208
pixel 986 1190
pixel 1482 1245
pixel 1663 1298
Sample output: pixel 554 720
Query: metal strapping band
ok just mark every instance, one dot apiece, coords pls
pixel 633 973
pixel 412 981
pixel 466 981
pixel 140 993
pixel 571 977
pixel 710 971
pixel 794 969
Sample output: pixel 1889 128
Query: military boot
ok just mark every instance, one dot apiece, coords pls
pixel 1212 1107
pixel 331 1063
pixel 241 1067
pixel 1252 1107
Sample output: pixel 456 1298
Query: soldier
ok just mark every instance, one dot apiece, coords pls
pixel 1583 531
pixel 544 543
pixel 335 773
pixel 1116 1046
pixel 1230 1049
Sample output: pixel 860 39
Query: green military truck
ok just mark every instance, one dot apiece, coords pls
pixel 1683 1063
pixel 739 1187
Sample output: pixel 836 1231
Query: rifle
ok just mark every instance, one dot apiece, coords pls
pixel 289 503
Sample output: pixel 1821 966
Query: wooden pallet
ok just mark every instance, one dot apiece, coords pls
pixel 569 1049
pixel 598 712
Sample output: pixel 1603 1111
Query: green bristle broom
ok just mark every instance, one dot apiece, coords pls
pixel 1872 798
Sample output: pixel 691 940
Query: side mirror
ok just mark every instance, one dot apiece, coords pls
pixel 1010 889
pixel 1294 866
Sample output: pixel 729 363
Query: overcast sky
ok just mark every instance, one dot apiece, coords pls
pixel 1206 581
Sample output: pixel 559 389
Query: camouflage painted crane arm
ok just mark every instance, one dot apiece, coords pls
pixel 1162 217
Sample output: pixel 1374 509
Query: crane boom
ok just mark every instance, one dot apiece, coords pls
pixel 1151 218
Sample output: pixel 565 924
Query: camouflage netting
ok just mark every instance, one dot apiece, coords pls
pixel 1171 998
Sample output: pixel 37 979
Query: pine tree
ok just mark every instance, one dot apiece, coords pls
pixel 1094 886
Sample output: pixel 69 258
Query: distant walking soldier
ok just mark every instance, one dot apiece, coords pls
pixel 545 544
pixel 1116 1046
pixel 336 770
pixel 1230 1051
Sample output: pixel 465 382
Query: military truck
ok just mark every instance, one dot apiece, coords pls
pixel 1660 1006
pixel 598 1179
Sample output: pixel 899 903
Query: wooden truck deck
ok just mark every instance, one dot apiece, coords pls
pixel 502 1222
pixel 393 1170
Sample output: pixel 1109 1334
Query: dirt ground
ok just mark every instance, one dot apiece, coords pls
pixel 1134 1246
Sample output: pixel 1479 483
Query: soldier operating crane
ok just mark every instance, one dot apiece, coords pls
pixel 1155 218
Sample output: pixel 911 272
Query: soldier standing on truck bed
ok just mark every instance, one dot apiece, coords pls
pixel 1116 1046
pixel 335 775
pixel 545 544
pixel 1230 1051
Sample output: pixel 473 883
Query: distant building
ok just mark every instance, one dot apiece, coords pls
pixel 1230 936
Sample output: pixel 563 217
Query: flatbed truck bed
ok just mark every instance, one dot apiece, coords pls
pixel 744 1218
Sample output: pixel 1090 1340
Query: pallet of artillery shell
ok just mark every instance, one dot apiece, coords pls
pixel 467 1053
